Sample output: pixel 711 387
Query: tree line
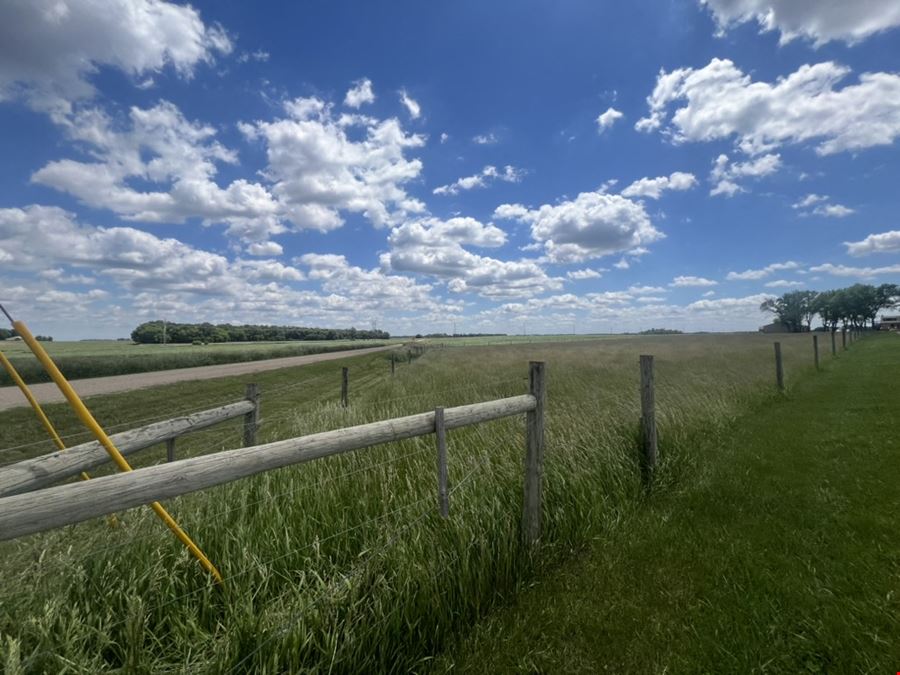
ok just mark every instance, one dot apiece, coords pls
pixel 6 333
pixel 157 332
pixel 856 306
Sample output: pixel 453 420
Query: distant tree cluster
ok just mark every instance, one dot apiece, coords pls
pixel 6 333
pixel 151 332
pixel 660 331
pixel 854 307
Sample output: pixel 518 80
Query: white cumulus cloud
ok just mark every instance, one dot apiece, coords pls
pixel 607 119
pixel 820 21
pixel 721 102
pixel 724 174
pixel 690 281
pixel 592 225
pixel 755 274
pixel 884 242
pixel 858 272
pixel 49 49
pixel 489 174
pixel 436 248
pixel 654 187
pixel 412 106
pixel 359 94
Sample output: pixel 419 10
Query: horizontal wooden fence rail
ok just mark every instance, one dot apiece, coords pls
pixel 40 472
pixel 54 507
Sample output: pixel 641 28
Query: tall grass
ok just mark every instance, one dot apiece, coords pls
pixel 344 564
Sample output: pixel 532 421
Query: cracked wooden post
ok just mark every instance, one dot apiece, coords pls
pixel 345 387
pixel 833 343
pixel 251 419
pixel 844 339
pixel 779 367
pixel 441 441
pixel 534 456
pixel 648 420
pixel 170 450
pixel 816 350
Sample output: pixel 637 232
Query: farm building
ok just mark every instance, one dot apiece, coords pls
pixel 890 323
pixel 774 327
pixel 14 338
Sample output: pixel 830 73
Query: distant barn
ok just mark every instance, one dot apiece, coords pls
pixel 774 327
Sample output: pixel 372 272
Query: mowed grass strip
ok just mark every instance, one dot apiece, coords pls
pixel 782 555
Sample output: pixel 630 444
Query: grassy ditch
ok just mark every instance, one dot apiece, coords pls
pixel 780 556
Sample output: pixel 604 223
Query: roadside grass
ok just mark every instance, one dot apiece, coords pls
pixel 343 564
pixel 99 358
pixel 779 554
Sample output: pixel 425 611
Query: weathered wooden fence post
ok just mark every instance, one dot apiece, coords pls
pixel 779 367
pixel 345 386
pixel 534 455
pixel 816 350
pixel 648 420
pixel 833 343
pixel 843 338
pixel 170 450
pixel 251 419
pixel 441 439
pixel 393 363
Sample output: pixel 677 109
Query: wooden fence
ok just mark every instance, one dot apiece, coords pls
pixel 44 509
pixel 32 512
pixel 41 472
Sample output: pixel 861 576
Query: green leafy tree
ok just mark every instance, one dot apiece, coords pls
pixel 794 309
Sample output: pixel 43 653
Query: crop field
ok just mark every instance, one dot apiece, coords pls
pixel 98 358
pixel 486 340
pixel 344 564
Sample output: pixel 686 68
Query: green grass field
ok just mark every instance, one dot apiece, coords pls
pixel 98 358
pixel 779 556
pixel 344 564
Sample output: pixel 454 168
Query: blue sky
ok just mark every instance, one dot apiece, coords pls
pixel 547 165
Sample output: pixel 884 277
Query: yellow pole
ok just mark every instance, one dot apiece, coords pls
pixel 20 383
pixel 88 419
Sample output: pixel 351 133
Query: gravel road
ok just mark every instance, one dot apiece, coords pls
pixel 46 392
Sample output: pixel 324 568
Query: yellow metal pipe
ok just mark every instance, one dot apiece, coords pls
pixel 20 383
pixel 88 419
pixel 48 425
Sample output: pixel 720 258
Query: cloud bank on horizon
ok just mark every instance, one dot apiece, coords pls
pixel 209 163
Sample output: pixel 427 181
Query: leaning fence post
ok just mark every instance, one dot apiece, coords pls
pixel 833 343
pixel 345 386
pixel 779 367
pixel 251 419
pixel 170 449
pixel 534 455
pixel 648 419
pixel 816 350
pixel 441 440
